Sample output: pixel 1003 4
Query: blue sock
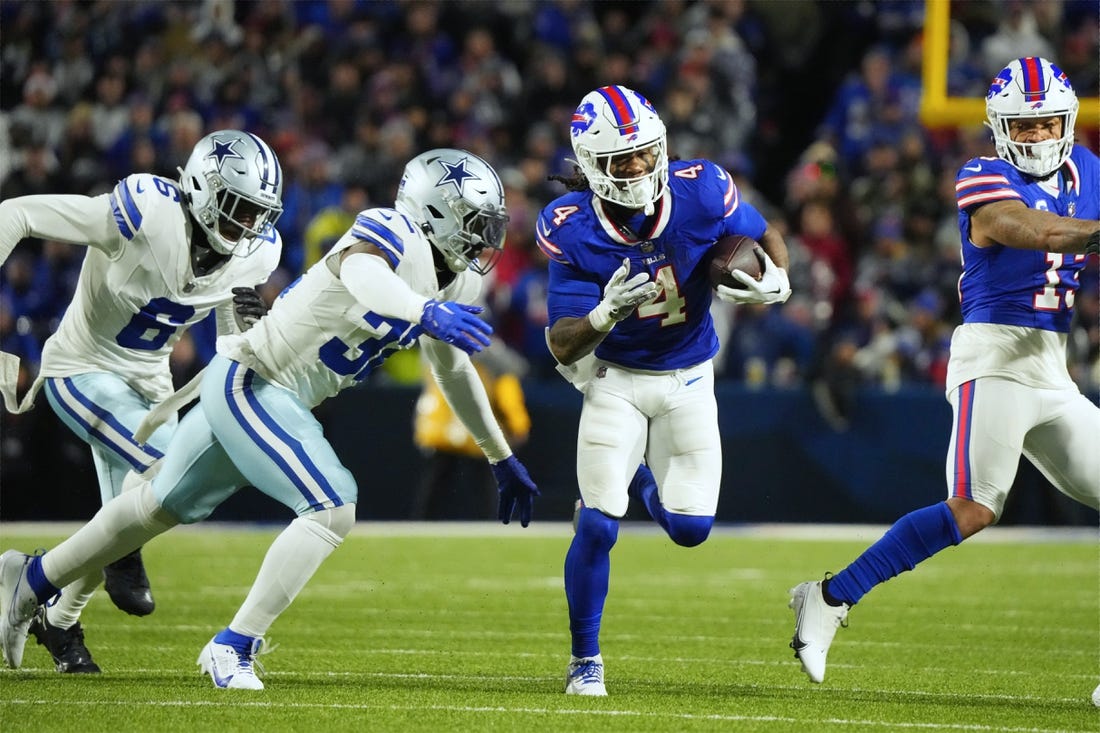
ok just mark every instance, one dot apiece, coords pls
pixel 587 572
pixel 915 537
pixel 240 642
pixel 644 488
pixel 43 589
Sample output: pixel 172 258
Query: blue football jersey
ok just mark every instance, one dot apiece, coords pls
pixel 585 247
pixel 1023 287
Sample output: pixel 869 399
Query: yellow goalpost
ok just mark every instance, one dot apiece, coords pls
pixel 939 110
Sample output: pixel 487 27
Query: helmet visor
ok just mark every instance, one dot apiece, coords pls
pixel 240 217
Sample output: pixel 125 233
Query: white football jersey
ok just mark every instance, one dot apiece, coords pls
pixel 136 293
pixel 318 339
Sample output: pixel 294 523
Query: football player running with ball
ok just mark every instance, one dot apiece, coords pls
pixel 397 278
pixel 630 325
pixel 1027 220
pixel 161 255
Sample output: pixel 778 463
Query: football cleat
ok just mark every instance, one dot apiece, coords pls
pixel 1096 696
pixel 229 668
pixel 17 604
pixel 585 677
pixel 66 646
pixel 815 626
pixel 128 586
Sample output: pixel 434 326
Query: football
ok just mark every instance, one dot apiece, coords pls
pixel 734 252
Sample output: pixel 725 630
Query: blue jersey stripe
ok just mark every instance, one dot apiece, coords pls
pixel 271 167
pixel 126 453
pixel 132 211
pixel 383 238
pixel 288 441
pixel 120 220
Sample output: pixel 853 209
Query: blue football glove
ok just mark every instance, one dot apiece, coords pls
pixel 456 324
pixel 515 487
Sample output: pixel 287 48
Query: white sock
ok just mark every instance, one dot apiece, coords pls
pixel 120 527
pixel 74 597
pixel 290 562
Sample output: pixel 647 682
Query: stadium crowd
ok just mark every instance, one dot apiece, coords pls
pixel 811 106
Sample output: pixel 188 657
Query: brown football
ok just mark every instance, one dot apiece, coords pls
pixel 734 252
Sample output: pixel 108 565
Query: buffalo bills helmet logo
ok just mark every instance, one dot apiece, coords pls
pixel 999 83
pixel 582 119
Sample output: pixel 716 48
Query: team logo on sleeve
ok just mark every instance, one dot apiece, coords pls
pixel 223 150
pixel 456 174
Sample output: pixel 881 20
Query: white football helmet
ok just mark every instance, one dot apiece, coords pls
pixel 457 200
pixel 233 185
pixel 1031 87
pixel 610 121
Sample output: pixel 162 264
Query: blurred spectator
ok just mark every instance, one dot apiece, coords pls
pixel 873 107
pixel 331 223
pixel 1017 35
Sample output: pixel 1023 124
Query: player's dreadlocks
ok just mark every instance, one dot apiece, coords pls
pixel 576 182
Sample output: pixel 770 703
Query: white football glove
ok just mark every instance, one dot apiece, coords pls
pixel 621 297
pixel 773 287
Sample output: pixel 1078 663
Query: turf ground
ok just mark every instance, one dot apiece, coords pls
pixel 463 628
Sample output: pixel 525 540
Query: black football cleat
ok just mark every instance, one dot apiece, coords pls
pixel 128 585
pixel 66 646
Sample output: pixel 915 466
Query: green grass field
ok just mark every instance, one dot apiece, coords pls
pixel 463 628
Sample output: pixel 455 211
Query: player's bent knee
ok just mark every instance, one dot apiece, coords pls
pixel 597 528
pixel 689 531
pixel 337 520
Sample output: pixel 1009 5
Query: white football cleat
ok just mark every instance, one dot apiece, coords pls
pixel 815 626
pixel 229 668
pixel 1096 696
pixel 585 677
pixel 17 604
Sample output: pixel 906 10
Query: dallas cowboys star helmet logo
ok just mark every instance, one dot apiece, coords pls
pixel 456 174
pixel 223 150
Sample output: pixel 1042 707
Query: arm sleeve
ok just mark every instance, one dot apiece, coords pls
pixel 378 288
pixel 225 318
pixel 72 219
pixel 465 393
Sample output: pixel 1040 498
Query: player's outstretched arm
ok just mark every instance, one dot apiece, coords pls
pixel 1014 224
pixel 368 277
pixel 63 218
pixel 465 393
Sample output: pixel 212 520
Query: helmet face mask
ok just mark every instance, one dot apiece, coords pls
pixel 615 121
pixel 1028 89
pixel 233 186
pixel 458 201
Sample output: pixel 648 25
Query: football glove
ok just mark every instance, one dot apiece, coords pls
pixel 456 324
pixel 773 287
pixel 1092 244
pixel 249 306
pixel 621 297
pixel 516 489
